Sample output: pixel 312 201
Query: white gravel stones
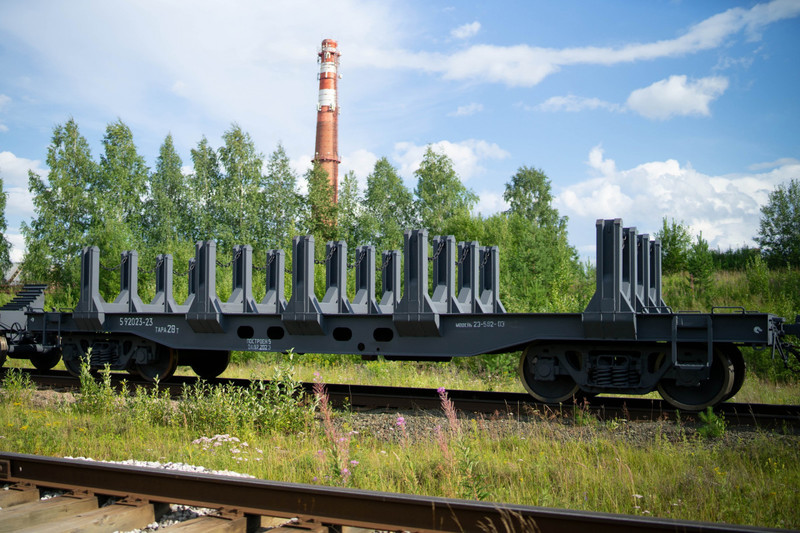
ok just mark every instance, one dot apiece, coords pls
pixel 182 467
pixel 177 513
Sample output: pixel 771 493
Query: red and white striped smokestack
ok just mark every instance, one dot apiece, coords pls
pixel 326 150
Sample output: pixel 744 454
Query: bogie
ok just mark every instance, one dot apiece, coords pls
pixel 140 357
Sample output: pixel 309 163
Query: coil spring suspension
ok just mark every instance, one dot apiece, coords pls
pixel 614 371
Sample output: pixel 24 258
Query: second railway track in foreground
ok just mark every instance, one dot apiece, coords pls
pixel 145 491
pixel 403 398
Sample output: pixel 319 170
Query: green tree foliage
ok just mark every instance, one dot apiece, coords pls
pixel 675 243
pixel 204 181
pixel 229 198
pixel 321 212
pixel 779 230
pixel 734 259
pixel 700 264
pixel 237 199
pixel 64 212
pixel 539 270
pixel 168 202
pixel 117 195
pixel 442 201
pixel 282 204
pixel 528 195
pixel 5 246
pixel 350 212
pixel 120 185
pixel 388 207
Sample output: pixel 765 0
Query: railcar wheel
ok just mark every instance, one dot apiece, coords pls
pixel 558 390
pixel 73 366
pixel 46 360
pixel 162 368
pixel 207 364
pixel 708 393
pixel 739 369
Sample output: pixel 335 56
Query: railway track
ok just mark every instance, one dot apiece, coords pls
pixel 141 494
pixel 367 397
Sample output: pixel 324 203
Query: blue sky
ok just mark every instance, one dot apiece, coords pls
pixel 638 110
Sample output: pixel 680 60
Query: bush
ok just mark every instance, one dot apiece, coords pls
pixel 277 405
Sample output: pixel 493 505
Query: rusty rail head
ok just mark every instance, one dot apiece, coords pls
pixel 352 507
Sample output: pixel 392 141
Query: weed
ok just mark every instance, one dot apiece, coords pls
pixel 17 386
pixel 150 405
pixel 459 454
pixel 582 416
pixel 96 396
pixel 337 453
pixel 712 425
pixel 275 406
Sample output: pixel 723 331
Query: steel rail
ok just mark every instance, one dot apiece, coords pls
pixel 375 396
pixel 353 507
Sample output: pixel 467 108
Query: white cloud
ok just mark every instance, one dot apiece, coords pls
pixel 252 62
pixel 467 110
pixel 524 65
pixel 725 208
pixel 362 162
pixel 14 171
pixel 17 241
pixel 773 164
pixel 19 203
pixel 466 156
pixel 490 202
pixel 677 96
pixel 574 104
pixel 300 165
pixel 466 31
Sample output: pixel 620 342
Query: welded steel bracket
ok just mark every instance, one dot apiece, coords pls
pixel 164 298
pixel 657 304
pixel 303 315
pixel 241 299
pixel 444 275
pixel 88 313
pixel 127 301
pixel 335 300
pixel 390 281
pixel 610 314
pixel 489 274
pixel 468 286
pixel 191 275
pixel 415 315
pixel 205 310
pixel 364 301
pixel 275 300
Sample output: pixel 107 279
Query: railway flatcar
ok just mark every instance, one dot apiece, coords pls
pixel 626 341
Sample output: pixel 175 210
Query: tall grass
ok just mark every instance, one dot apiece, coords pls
pixel 756 288
pixel 550 459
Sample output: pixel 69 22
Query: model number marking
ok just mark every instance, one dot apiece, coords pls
pixel 482 324
pixel 135 321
